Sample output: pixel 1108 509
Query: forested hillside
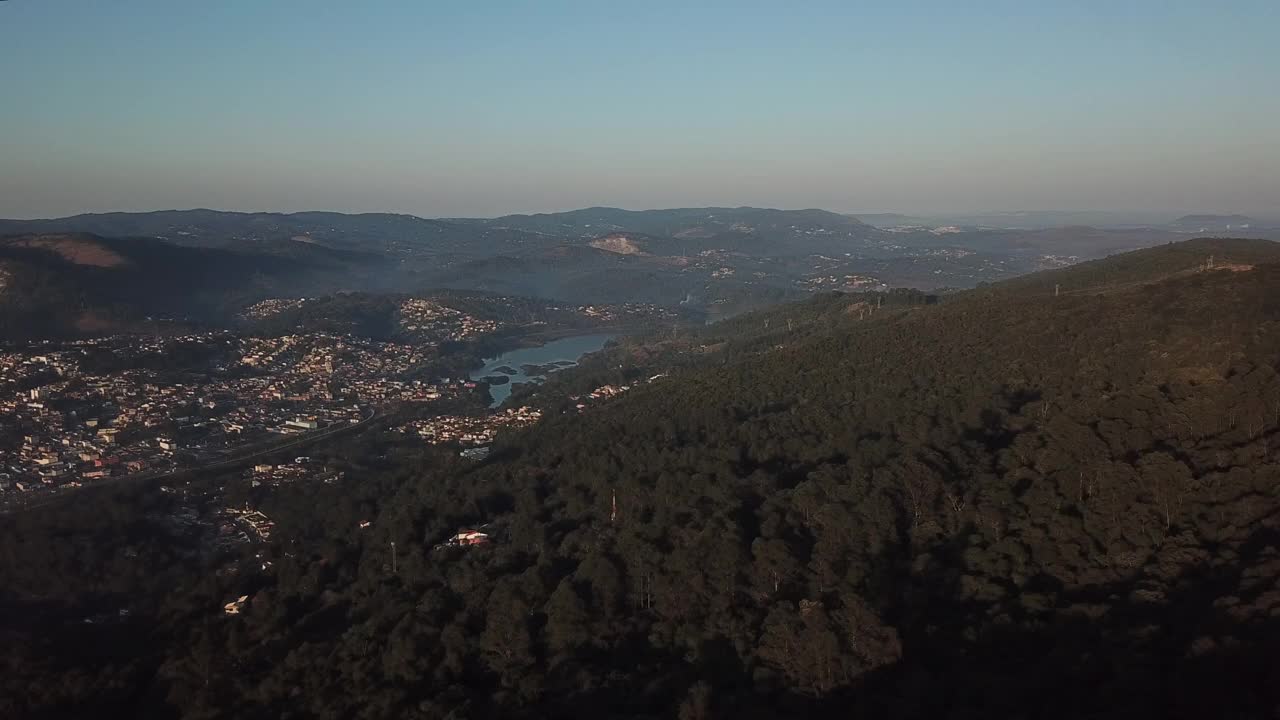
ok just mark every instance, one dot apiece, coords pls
pixel 1163 262
pixel 1058 497
pixel 76 283
pixel 213 228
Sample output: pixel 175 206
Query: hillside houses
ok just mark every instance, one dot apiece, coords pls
pixel 301 469
pixel 79 425
pixel 467 538
pixel 438 322
pixel 471 430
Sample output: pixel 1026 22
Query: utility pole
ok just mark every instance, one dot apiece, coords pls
pixel 613 514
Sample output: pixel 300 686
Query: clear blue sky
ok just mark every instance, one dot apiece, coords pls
pixel 485 107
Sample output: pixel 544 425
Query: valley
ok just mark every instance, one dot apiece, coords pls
pixel 660 360
pixel 808 506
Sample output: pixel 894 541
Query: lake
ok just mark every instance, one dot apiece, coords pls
pixel 526 365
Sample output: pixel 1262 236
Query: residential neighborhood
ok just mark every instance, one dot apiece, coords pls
pixel 474 430
pixel 72 419
pixel 84 412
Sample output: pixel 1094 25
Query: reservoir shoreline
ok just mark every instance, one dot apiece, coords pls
pixel 532 363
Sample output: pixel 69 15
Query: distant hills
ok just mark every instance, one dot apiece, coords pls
pixel 717 260
pixel 1214 223
pixel 757 231
pixel 888 220
pixel 77 283
pixel 673 257
pixel 1127 271
pixel 380 232
pixel 512 233
pixel 742 228
pixel 1043 219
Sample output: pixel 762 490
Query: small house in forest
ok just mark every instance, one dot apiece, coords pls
pixel 467 537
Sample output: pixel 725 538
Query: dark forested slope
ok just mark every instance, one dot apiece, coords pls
pixel 1144 267
pixel 1008 504
pixel 70 283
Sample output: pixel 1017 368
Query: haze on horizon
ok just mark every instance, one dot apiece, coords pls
pixel 471 109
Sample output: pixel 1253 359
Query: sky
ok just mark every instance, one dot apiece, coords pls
pixel 466 108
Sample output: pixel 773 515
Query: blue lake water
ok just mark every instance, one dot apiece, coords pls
pixel 567 351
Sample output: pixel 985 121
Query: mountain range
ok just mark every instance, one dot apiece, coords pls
pixel 720 261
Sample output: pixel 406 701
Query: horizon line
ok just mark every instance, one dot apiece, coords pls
pixel 928 214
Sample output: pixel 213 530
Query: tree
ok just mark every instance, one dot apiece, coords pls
pixel 506 642
pixel 567 619
pixel 697 703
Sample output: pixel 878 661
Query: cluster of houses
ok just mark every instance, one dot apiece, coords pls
pixel 301 469
pixel 69 433
pixel 432 320
pixel 272 307
pixel 65 426
pixel 65 422
pixel 247 524
pixel 604 392
pixel 71 428
pixel 319 367
pixel 327 357
pixel 625 312
pixel 471 429
pixel 847 283
pixel 1051 262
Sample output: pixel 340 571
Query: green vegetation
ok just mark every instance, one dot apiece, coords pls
pixel 78 284
pixel 1007 503
pixel 1158 263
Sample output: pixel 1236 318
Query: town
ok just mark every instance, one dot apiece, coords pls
pixel 69 423
pixel 471 430
pixel 85 412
